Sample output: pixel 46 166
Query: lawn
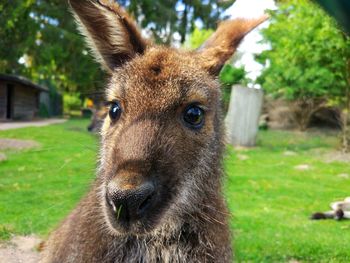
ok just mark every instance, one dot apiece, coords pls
pixel 38 187
pixel 271 200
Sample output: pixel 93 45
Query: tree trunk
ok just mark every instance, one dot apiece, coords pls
pixel 183 28
pixel 242 119
pixel 303 109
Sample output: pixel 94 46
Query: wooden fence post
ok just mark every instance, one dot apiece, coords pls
pixel 242 119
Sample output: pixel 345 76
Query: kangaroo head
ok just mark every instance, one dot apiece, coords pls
pixel 162 138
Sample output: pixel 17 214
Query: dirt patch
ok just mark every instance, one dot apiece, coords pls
pixel 336 156
pixel 14 144
pixel 20 249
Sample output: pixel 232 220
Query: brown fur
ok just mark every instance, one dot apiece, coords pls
pixel 98 115
pixel 153 85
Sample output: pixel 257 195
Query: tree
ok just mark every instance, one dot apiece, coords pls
pixel 39 40
pixel 307 62
pixel 164 18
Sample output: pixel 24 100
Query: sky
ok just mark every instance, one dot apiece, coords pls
pixel 250 45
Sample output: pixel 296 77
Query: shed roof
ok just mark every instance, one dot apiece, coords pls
pixel 22 80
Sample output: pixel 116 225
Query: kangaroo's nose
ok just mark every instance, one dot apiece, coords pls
pixel 132 203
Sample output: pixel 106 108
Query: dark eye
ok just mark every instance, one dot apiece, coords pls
pixel 194 117
pixel 115 110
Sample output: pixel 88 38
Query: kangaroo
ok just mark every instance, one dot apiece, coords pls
pixel 340 210
pixel 157 196
pixel 98 115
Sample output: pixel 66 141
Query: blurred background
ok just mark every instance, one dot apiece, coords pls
pixel 286 99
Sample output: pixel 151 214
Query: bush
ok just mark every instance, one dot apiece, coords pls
pixel 71 102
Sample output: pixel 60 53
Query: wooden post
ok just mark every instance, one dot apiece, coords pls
pixel 242 119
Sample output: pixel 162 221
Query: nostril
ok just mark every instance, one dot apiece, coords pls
pixel 118 206
pixel 145 205
pixel 130 204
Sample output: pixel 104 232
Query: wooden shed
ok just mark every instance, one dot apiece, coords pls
pixel 19 98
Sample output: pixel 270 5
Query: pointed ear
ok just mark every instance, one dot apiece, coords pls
pixel 224 42
pixel 110 33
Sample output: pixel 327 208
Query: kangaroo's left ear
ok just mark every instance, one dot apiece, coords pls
pixel 110 32
pixel 224 42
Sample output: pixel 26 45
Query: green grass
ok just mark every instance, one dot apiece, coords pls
pixel 38 187
pixel 271 201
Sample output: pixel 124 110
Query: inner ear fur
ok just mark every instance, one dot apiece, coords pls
pixel 223 43
pixel 110 32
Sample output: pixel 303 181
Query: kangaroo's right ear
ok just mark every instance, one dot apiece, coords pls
pixel 111 34
pixel 223 43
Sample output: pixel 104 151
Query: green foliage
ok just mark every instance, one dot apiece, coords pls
pixel 164 18
pixel 198 37
pixel 229 76
pixel 308 53
pixel 71 102
pixel 339 9
pixel 39 40
pixel 43 35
